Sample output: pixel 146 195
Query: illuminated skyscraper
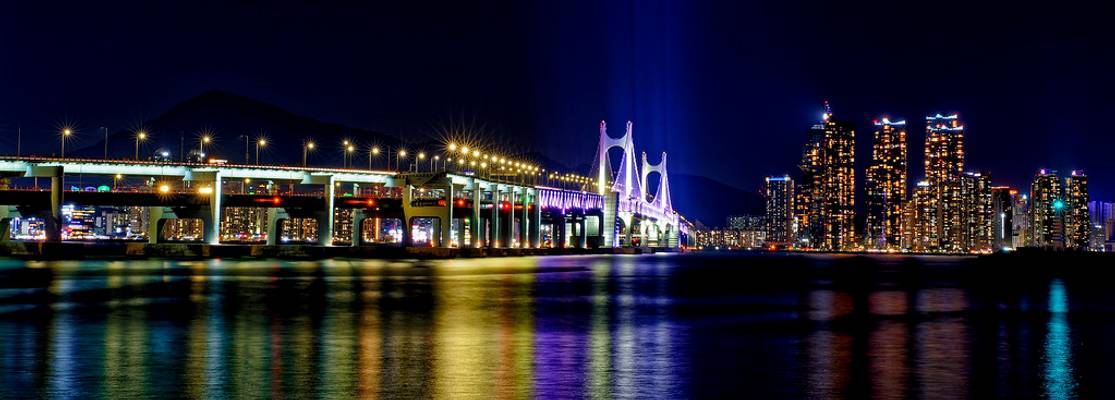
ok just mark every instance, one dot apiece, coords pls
pixel 919 210
pixel 975 212
pixel 885 184
pixel 780 209
pixel 807 210
pixel 1022 236
pixel 944 165
pixel 1103 216
pixel 1003 200
pixel 828 172
pixel 1047 210
pixel 1078 227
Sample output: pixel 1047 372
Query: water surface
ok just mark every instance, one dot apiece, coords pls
pixel 657 326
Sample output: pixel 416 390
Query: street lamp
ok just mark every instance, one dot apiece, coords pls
pixel 421 157
pixel 66 133
pixel 307 147
pixel 116 180
pixel 261 142
pixel 205 139
pixel 399 159
pixel 433 162
pixel 141 135
pixel 372 152
pixel 348 152
pixel 345 144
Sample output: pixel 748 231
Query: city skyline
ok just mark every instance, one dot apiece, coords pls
pixel 536 73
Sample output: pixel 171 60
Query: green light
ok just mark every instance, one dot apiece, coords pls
pixel 1058 204
pixel 103 188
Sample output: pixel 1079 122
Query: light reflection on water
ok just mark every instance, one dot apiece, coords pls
pixel 562 327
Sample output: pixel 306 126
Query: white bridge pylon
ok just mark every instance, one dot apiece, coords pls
pixel 633 200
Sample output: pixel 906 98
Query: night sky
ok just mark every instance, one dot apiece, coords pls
pixel 727 88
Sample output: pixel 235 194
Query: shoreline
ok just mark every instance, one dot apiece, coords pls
pixel 139 250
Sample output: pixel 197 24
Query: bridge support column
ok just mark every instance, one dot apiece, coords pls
pixel 494 239
pixel 608 221
pixel 57 191
pixel 212 218
pixel 509 237
pixel 558 231
pixel 156 221
pixel 5 223
pixel 325 216
pixel 524 221
pixel 445 239
pixel 536 222
pixel 276 217
pixel 582 233
pixel 357 228
pixel 475 225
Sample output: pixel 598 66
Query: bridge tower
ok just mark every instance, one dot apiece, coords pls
pixel 625 188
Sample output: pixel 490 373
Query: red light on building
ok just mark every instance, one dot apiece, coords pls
pixel 276 200
pixel 460 202
pixel 371 202
pixel 441 202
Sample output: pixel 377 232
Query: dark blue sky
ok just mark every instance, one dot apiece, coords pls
pixel 728 88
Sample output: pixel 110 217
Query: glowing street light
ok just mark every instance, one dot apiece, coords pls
pixel 261 142
pixel 140 136
pixel 205 139
pixel 345 145
pixel 372 152
pixel 306 148
pixel 66 133
pixel 164 188
pixel 452 147
pixel 205 190
pixel 421 157
pixel 399 159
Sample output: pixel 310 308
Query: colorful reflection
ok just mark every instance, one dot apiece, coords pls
pixel 558 327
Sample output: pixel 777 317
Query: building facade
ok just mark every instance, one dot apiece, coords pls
pixel 828 170
pixel 919 211
pixel 1078 224
pixel 944 167
pixel 1003 199
pixel 780 210
pixel 976 212
pixel 885 185
pixel 1046 211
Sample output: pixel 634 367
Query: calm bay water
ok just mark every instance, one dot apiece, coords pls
pixel 659 326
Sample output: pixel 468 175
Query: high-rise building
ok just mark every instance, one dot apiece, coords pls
pixel 918 233
pixel 1103 216
pixel 885 185
pixel 780 210
pixel 1047 210
pixel 807 205
pixel 944 165
pixel 1003 199
pixel 1021 221
pixel 828 171
pixel 1078 226
pixel 975 212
